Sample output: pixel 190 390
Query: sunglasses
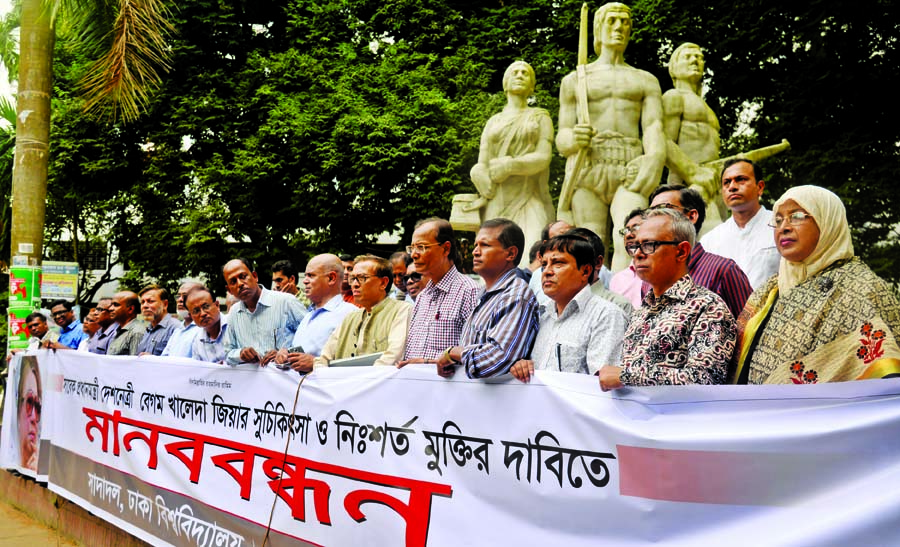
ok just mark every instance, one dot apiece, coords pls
pixel 32 404
pixel 414 277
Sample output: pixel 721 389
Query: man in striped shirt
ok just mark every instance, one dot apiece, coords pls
pixel 502 327
pixel 719 274
pixel 262 321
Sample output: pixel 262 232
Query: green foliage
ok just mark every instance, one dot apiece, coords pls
pixel 9 46
pixel 288 129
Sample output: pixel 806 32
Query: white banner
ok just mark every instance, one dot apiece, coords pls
pixel 185 453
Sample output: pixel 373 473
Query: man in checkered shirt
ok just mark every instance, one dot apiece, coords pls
pixel 446 302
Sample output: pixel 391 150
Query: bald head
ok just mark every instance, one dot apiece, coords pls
pixel 322 279
pixel 124 307
pixel 558 228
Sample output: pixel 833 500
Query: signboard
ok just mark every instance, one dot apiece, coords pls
pixel 60 280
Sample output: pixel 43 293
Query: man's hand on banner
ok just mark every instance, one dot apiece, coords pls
pixel 609 377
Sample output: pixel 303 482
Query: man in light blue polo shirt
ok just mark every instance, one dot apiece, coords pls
pixel 322 285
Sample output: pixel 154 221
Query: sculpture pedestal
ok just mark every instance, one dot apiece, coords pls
pixel 461 219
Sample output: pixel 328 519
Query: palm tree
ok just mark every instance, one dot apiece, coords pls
pixel 128 39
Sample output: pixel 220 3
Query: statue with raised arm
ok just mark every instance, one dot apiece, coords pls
pixel 610 131
pixel 692 131
pixel 513 170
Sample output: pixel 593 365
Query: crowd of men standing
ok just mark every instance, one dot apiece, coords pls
pixel 668 318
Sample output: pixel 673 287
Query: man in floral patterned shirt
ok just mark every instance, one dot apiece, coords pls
pixel 683 333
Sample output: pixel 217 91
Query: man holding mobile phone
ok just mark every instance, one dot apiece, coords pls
pixel 322 286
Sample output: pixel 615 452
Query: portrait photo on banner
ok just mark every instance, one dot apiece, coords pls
pixel 22 416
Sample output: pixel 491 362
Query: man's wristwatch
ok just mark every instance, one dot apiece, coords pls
pixel 450 357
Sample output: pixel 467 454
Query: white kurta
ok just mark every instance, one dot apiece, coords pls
pixel 752 247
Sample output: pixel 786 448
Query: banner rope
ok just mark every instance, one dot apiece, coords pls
pixel 287 445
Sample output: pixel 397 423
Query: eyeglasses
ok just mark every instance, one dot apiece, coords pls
pixel 629 230
pixel 414 277
pixel 360 278
pixel 32 404
pixel 419 248
pixel 794 219
pixel 667 206
pixel 205 307
pixel 647 247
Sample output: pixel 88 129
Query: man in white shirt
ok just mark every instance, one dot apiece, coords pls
pixel 555 228
pixel 580 331
pixel 746 237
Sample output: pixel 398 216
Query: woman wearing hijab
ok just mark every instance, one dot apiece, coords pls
pixel 826 317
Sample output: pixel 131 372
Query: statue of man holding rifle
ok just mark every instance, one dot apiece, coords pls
pixel 610 131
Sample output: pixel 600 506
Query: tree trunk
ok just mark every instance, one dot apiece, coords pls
pixel 29 185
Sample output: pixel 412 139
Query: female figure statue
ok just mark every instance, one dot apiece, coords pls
pixel 513 166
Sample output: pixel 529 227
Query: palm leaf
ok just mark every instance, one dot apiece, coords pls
pixel 131 34
pixel 8 110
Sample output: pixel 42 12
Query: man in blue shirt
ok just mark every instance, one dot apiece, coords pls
pixel 70 331
pixel 155 309
pixel 99 342
pixel 322 285
pixel 209 344
pixel 181 341
pixel 502 327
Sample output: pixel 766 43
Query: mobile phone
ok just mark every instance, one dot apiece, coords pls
pixel 287 366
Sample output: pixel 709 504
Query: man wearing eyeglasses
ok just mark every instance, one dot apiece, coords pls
pixel 99 342
pixel 626 282
pixel 181 342
pixel 378 325
pixel 209 342
pixel 745 237
pixel 719 274
pixel 446 302
pixel 70 331
pixel 683 333
pixel 322 286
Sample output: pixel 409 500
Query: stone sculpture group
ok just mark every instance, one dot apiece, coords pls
pixel 616 130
